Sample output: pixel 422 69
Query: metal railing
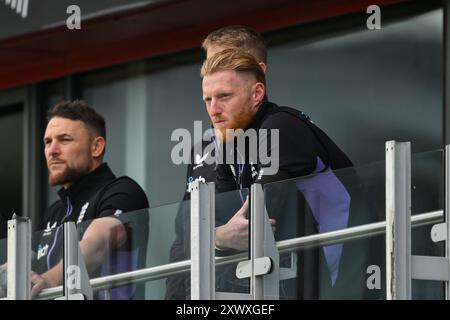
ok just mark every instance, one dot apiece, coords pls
pixel 311 241
pixel 265 251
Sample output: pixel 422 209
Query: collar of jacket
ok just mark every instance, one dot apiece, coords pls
pixel 264 110
pixel 89 182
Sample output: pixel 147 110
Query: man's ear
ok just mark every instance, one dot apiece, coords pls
pixel 263 66
pixel 259 93
pixel 97 146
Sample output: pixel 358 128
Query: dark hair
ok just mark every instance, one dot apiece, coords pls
pixel 240 37
pixel 79 110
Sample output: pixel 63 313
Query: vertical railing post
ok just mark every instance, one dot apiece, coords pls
pixel 398 220
pixel 256 240
pixel 19 259
pixel 447 216
pixel 202 240
pixel 446 126
pixel 264 256
pixel 76 284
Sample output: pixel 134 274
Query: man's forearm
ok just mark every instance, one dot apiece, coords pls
pixel 102 235
pixel 93 256
pixel 54 276
pixel 94 251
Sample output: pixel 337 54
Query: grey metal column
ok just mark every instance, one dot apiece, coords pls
pixel 264 255
pixel 77 284
pixel 447 219
pixel 202 240
pixel 446 42
pixel 19 259
pixel 256 239
pixel 398 220
pixel 446 126
pixel 263 267
pixel 32 156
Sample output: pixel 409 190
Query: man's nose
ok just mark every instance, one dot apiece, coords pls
pixel 53 148
pixel 215 108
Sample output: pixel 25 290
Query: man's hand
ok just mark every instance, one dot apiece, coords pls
pixel 234 234
pixel 38 284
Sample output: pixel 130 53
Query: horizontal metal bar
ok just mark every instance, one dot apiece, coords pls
pixel 147 274
pixel 233 296
pixel 427 218
pixel 430 268
pixel 353 233
pixel 328 238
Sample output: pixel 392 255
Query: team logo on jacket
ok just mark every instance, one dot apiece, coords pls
pixel 83 212
pixel 260 174
pixel 199 160
pixel 49 229
pixel 254 172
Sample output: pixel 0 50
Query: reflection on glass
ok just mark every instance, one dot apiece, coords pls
pixel 47 254
pixel 427 180
pixel 333 200
pixel 3 252
pixel 230 205
pixel 170 242
pixel 325 202
pixel 427 187
pixel 150 242
pixel 3 274
pixel 131 237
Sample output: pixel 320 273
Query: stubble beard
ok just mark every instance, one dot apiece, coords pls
pixel 68 176
pixel 228 134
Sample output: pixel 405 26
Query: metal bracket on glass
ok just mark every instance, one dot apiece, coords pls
pixel 261 266
pixel 264 265
pixel 19 259
pixel 439 232
pixel 76 283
